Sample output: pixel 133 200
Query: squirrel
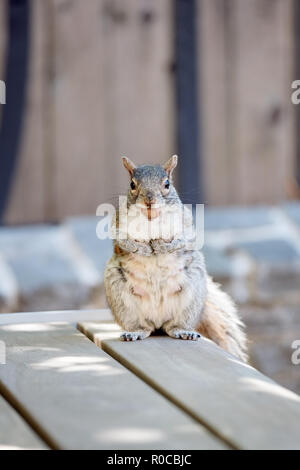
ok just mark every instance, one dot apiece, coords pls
pixel 155 282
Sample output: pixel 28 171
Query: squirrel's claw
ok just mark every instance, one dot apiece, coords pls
pixel 129 336
pixel 185 334
pixel 134 335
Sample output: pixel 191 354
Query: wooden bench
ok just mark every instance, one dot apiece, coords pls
pixel 61 390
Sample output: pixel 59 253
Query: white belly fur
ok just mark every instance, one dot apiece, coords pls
pixel 156 286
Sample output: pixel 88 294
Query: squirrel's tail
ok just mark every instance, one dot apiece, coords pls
pixel 220 322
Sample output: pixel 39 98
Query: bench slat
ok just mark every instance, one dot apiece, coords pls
pixel 81 398
pixel 248 409
pixel 15 434
pixel 68 316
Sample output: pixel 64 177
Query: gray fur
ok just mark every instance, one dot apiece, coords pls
pixel 149 179
pixel 162 284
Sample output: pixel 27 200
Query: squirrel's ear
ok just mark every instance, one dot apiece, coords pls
pixel 171 164
pixel 129 165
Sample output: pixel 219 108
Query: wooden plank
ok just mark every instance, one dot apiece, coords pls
pixel 82 399
pixel 79 169
pixel 246 66
pixel 213 96
pixel 113 96
pixel 15 434
pixel 71 316
pixel 263 152
pixel 27 198
pixel 139 95
pixel 240 404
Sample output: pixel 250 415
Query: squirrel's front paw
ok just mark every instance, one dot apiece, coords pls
pixel 184 334
pixel 133 246
pixel 159 246
pixel 144 250
pixel 135 335
pixel 162 246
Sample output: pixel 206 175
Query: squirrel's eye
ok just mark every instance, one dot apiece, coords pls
pixel 167 184
pixel 132 185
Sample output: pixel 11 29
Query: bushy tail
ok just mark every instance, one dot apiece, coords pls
pixel 221 324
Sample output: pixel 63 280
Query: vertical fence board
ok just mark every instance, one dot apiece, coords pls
pixel 263 116
pixel 139 88
pixel 113 96
pixel 213 94
pixel 78 114
pixel 247 53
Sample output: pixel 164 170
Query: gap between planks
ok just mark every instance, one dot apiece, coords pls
pixel 15 432
pixel 50 444
pixel 51 357
pixel 114 333
pixel 236 402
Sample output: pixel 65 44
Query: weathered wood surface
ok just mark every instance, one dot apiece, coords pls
pixel 68 316
pixel 240 404
pixel 213 99
pixel 81 398
pixel 246 54
pixel 15 434
pixel 78 107
pixel 102 84
pixel 114 86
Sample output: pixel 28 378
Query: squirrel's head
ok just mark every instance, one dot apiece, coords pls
pixel 151 185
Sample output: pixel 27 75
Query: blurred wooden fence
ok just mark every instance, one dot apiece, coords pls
pixel 102 84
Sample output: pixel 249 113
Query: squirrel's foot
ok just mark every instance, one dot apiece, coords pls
pixel 184 334
pixel 135 335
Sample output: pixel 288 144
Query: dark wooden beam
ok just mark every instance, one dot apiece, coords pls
pixel 297 77
pixel 16 84
pixel 187 86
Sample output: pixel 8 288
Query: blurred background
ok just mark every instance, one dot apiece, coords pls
pixel 89 81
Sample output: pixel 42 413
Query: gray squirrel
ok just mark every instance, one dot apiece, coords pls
pixel 156 282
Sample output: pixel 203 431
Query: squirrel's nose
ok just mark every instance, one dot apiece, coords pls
pixel 149 199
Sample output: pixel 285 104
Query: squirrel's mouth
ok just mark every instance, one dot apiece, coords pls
pixel 151 212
